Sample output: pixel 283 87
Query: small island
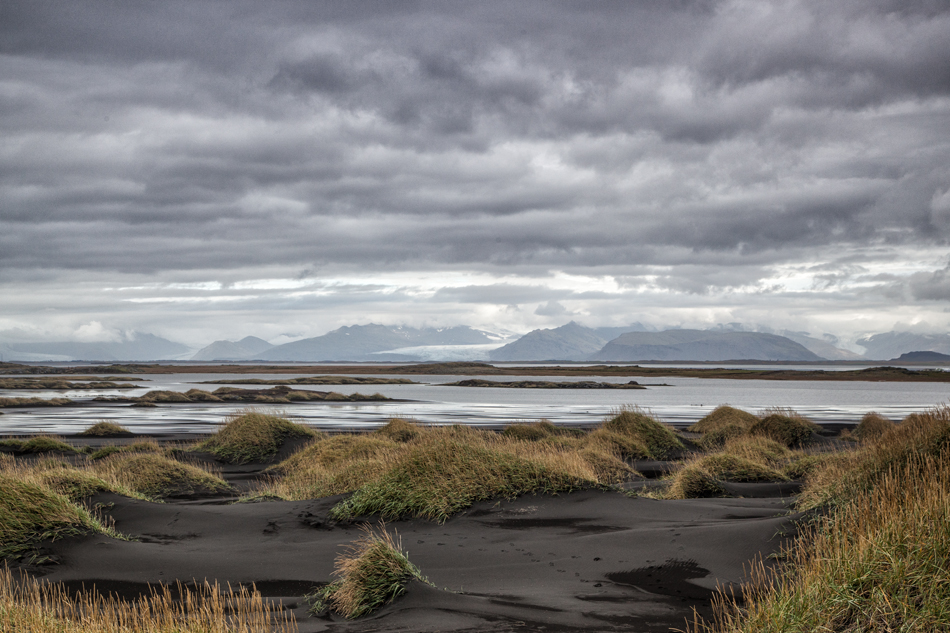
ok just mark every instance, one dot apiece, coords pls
pixel 543 384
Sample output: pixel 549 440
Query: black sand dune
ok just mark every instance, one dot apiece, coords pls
pixel 586 561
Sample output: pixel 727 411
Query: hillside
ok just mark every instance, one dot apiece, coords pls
pixel 364 342
pixel 568 342
pixel 702 345
pixel 892 344
pixel 248 347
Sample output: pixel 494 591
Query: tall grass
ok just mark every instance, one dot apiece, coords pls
pixel 252 436
pixel 372 572
pixel 877 558
pixel 881 562
pixel 33 606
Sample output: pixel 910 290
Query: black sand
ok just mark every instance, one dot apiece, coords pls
pixel 586 561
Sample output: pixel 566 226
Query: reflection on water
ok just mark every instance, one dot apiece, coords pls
pixel 684 401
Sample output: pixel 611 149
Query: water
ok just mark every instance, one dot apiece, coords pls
pixel 684 401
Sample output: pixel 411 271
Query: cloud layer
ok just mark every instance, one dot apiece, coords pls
pixel 185 167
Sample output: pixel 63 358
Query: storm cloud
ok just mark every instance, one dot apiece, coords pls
pixel 207 166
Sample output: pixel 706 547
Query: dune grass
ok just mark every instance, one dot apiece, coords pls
pixel 638 435
pixel 157 476
pixel 105 428
pixel 372 572
pixel 880 562
pixel 858 472
pixel 872 426
pixel 784 426
pixel 406 470
pixel 721 417
pixel 38 444
pixel 30 513
pixel 400 430
pixel 877 556
pixel 252 436
pixel 33 606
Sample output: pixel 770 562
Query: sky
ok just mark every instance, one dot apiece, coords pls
pixel 206 170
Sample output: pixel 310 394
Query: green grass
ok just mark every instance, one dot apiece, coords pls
pixel 156 476
pixel 372 572
pixel 400 430
pixel 786 427
pixel 38 444
pixel 30 513
pixel 639 435
pixel 723 416
pixel 253 436
pixel 449 472
pixel 879 562
pixel 103 428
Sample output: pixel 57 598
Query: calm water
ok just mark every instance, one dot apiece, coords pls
pixel 683 402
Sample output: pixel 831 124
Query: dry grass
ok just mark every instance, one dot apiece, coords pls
pixel 252 436
pixel 104 428
pixel 637 434
pixel 38 444
pixel 400 430
pixel 30 512
pixel 724 416
pixel 857 473
pixel 881 562
pixel 872 426
pixel 157 476
pixel 372 572
pixel 31 606
pixel 784 426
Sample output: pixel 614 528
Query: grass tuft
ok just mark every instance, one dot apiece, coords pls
pixel 105 428
pixel 30 513
pixel 156 476
pixel 372 572
pixel 38 444
pixel 252 436
pixel 32 606
pixel 872 426
pixel 784 426
pixel 639 435
pixel 724 416
pixel 693 482
pixel 400 430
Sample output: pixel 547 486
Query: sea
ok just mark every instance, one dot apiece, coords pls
pixel 675 400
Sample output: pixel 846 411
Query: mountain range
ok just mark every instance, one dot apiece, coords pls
pixel 569 342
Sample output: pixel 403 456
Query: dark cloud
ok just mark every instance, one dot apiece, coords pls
pixel 692 148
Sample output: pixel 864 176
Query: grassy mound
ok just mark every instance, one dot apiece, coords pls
pixel 872 426
pixel 400 430
pixel 858 473
pixel 725 467
pixel 372 572
pixel 38 444
pixel 638 435
pixel 148 446
pixel 252 437
pixel 104 429
pixel 453 468
pixel 879 563
pixel 30 513
pixel 535 431
pixel 724 416
pixel 157 476
pixel 759 449
pixel 333 466
pixel 786 427
pixel 74 484
pixel 693 482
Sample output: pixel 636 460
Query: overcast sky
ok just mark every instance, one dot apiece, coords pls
pixel 204 170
